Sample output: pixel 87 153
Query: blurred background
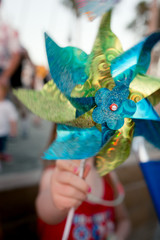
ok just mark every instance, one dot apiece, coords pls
pixel 21 167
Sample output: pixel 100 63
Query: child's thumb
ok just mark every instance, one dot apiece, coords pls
pixel 86 170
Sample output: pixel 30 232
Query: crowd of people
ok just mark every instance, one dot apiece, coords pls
pixel 16 71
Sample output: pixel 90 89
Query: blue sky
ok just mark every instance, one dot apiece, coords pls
pixel 33 17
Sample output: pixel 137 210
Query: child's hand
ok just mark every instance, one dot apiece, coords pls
pixel 67 188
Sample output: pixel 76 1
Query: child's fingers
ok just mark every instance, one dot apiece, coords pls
pixel 73 180
pixel 63 203
pixel 70 192
pixel 67 165
pixel 86 170
pixel 73 166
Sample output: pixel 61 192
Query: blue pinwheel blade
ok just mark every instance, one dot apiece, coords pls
pixel 145 111
pixel 151 174
pixel 74 143
pixel 148 129
pixel 82 105
pixel 133 61
pixel 107 133
pixel 67 65
pixel 67 68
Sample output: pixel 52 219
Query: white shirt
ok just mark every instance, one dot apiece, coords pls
pixel 7 113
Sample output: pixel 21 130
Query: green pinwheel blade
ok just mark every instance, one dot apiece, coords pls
pixel 116 150
pixel 110 44
pixel 49 103
pixel 106 47
pixel 84 121
pixel 154 98
pixel 143 86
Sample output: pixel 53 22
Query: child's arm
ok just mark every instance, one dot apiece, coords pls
pixel 13 128
pixel 12 117
pixel 123 223
pixel 60 189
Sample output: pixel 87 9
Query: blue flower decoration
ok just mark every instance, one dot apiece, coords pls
pixel 113 106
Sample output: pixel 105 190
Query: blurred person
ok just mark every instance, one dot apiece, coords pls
pixel 61 189
pixel 23 77
pixel 8 122
pixel 47 78
pixel 40 77
pixel 24 74
pixel 9 51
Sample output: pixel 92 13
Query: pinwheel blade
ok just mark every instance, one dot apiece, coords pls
pixel 155 98
pixel 145 111
pixel 116 150
pixel 106 47
pixel 74 143
pixel 49 103
pixel 83 121
pixel 148 129
pixel 82 105
pixel 136 60
pixel 151 174
pixel 109 42
pixel 67 65
pixel 143 86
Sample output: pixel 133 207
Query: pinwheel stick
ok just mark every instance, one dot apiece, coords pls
pixel 71 211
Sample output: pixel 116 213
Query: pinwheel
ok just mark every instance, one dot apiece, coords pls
pixel 100 101
pixel 94 8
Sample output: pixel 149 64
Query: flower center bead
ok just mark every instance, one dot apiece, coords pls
pixel 113 107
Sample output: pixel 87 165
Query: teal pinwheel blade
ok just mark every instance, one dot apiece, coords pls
pixel 133 61
pixel 67 65
pixel 67 68
pixel 82 105
pixel 145 111
pixel 74 143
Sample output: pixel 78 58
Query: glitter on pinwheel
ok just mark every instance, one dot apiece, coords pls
pixel 113 106
pixel 98 93
pixel 106 93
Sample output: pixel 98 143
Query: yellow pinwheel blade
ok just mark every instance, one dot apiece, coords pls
pixel 106 47
pixel 143 86
pixel 155 98
pixel 116 150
